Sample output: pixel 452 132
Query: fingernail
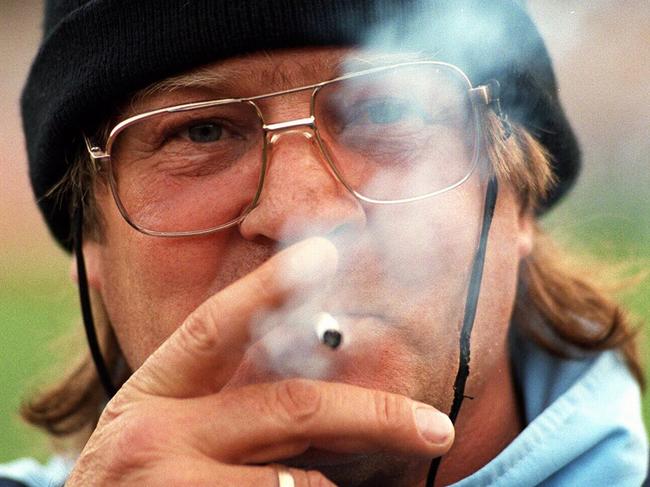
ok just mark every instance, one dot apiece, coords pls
pixel 310 261
pixel 435 426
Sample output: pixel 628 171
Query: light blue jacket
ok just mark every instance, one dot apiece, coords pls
pixel 584 429
pixel 584 425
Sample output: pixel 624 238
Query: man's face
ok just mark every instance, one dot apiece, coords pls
pixel 400 289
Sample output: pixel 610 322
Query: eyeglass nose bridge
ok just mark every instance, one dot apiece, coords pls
pixel 273 131
pixel 302 126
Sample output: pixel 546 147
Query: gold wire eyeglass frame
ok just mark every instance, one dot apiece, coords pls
pixel 483 95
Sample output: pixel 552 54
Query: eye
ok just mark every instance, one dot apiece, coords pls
pixel 205 132
pixel 386 112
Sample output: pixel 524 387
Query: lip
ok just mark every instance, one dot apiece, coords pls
pixel 354 325
pixel 295 350
pixel 368 323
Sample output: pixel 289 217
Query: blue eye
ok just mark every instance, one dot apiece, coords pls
pixel 206 132
pixel 387 112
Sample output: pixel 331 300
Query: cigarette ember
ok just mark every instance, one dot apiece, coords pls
pixel 332 339
pixel 328 330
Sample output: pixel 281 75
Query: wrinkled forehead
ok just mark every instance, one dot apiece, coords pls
pixel 266 72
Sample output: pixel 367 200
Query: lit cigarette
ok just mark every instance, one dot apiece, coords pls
pixel 328 330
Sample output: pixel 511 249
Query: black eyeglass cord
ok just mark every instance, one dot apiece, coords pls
pixel 86 310
pixel 471 304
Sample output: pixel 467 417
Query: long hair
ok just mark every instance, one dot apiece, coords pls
pixel 556 306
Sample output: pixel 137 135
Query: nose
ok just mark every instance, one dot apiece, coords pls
pixel 301 196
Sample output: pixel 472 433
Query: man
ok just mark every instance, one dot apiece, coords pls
pixel 306 244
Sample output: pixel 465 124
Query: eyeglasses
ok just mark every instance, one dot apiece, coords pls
pixel 390 135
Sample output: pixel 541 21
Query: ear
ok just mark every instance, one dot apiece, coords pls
pixel 526 231
pixel 92 260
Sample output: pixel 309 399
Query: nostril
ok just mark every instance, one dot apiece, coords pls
pixel 285 219
pixel 343 231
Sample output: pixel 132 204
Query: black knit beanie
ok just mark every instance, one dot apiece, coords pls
pixel 95 53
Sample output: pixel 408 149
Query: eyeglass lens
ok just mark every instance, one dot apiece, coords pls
pixel 392 135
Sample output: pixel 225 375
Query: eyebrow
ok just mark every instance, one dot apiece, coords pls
pixel 225 80
pixel 367 60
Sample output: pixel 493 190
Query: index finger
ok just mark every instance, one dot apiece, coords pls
pixel 200 356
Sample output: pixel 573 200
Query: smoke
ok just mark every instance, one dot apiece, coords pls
pixel 402 277
pixel 401 280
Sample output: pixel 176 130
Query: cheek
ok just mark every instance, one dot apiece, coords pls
pixel 149 290
pixel 150 285
pixel 412 361
pixel 388 365
pixel 498 291
pixel 429 243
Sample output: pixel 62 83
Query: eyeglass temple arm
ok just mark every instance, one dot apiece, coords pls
pixel 490 94
pixel 95 152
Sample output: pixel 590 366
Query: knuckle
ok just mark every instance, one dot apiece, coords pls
pixel 135 441
pixel 263 284
pixel 119 405
pixel 199 331
pixel 391 411
pixel 138 438
pixel 298 400
pixel 120 447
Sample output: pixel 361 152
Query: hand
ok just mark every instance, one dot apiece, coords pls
pixel 172 424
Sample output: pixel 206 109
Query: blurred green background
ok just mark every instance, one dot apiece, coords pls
pixel 600 52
